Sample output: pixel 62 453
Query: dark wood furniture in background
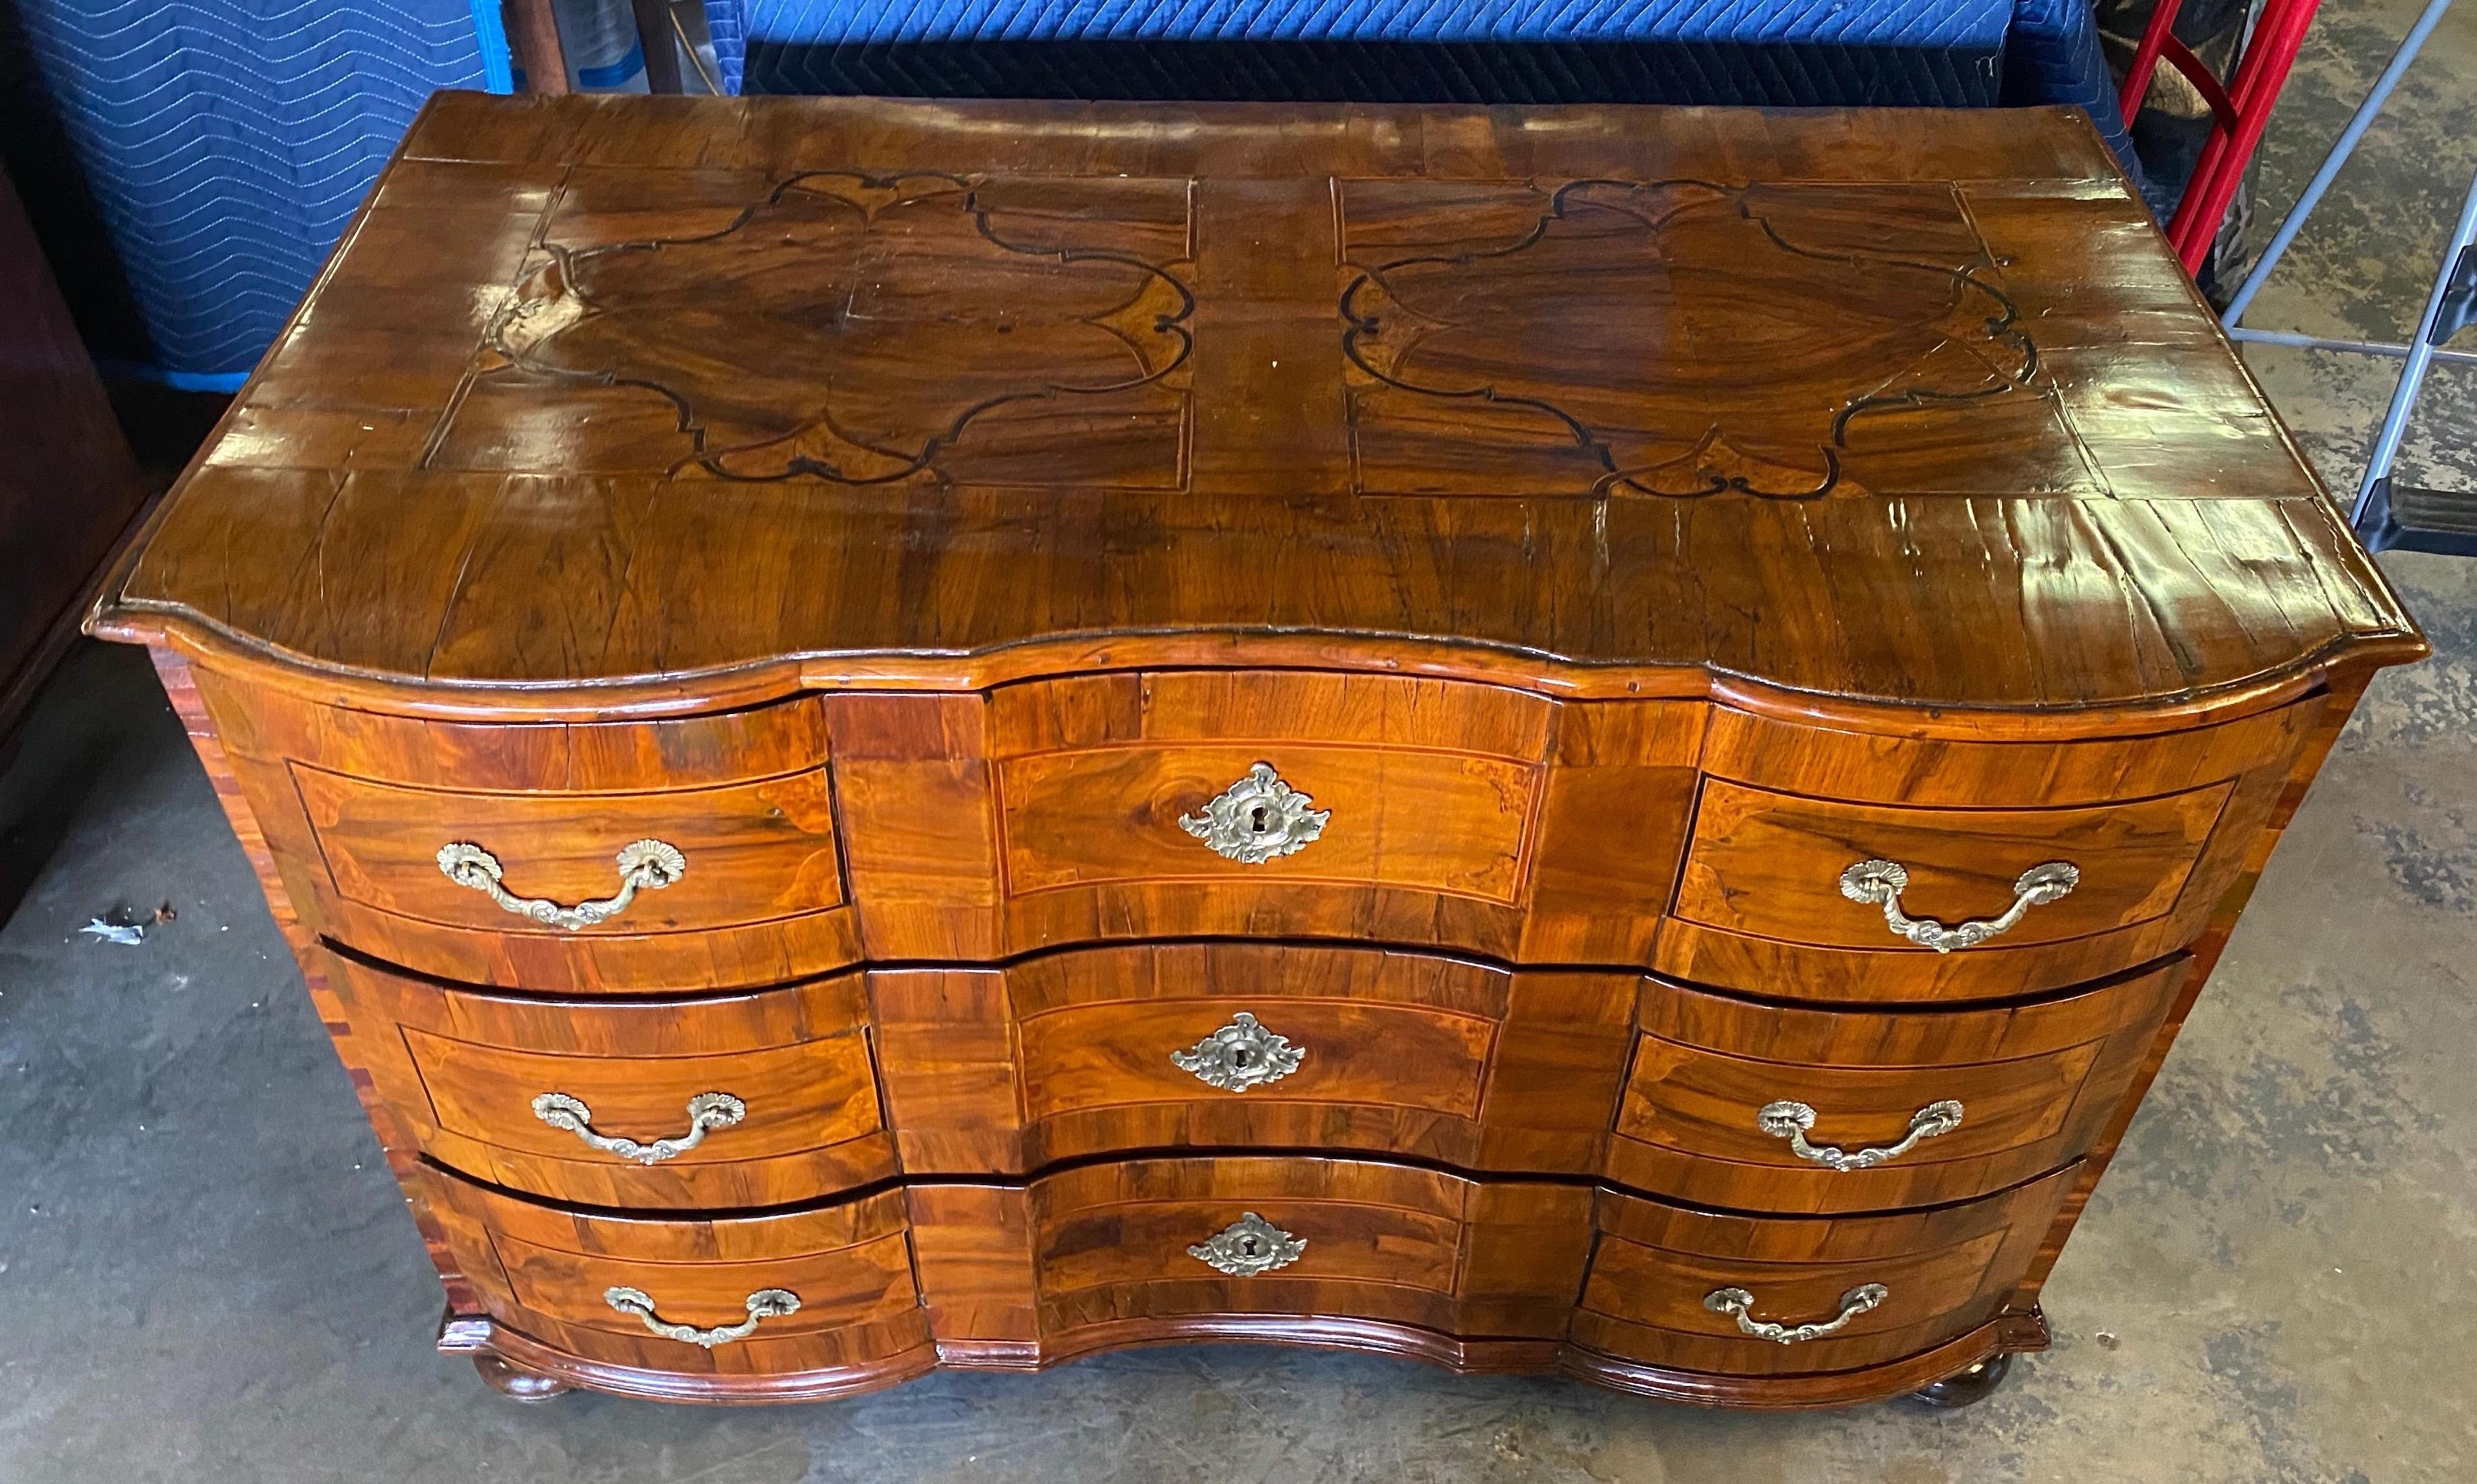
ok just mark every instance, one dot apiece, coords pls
pixel 901 734
pixel 71 488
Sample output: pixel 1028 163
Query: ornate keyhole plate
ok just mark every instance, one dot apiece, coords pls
pixel 1248 1246
pixel 1256 819
pixel 1239 1055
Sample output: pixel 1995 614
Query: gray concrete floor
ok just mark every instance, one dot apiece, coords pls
pixel 206 1275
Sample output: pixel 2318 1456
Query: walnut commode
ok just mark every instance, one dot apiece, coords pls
pixel 899 735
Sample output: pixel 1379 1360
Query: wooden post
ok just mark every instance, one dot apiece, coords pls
pixel 535 32
pixel 662 49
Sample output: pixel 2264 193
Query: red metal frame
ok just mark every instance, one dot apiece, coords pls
pixel 2240 110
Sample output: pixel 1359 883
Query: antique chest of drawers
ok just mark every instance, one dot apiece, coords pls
pixel 899 735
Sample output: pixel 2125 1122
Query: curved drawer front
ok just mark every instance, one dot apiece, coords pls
pixel 1170 1242
pixel 729 1102
pixel 811 1290
pixel 1227 793
pixel 1769 1108
pixel 1149 1222
pixel 1231 1045
pixel 1772 865
pixel 1264 804
pixel 1842 866
pixel 740 855
pixel 611 856
pixel 1668 1286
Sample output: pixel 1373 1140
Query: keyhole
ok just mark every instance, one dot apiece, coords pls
pixel 1240 1057
pixel 1248 1246
pixel 1256 823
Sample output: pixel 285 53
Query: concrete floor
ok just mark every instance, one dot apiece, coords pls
pixel 206 1275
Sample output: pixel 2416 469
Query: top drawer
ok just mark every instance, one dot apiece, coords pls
pixel 1261 804
pixel 1248 781
pixel 630 856
pixel 971 827
pixel 1846 875
pixel 1842 866
pixel 683 860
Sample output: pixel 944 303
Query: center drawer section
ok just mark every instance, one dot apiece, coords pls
pixel 1146 1249
pixel 1184 795
pixel 1127 1048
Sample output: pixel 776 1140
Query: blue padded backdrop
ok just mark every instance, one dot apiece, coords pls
pixel 190 162
pixel 1948 53
pixel 217 147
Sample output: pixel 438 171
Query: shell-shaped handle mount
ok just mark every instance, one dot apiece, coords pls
pixel 646 865
pixel 1739 1305
pixel 767 1303
pixel 1881 883
pixel 1790 1121
pixel 707 1111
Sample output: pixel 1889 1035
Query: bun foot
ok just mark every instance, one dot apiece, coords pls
pixel 1965 1388
pixel 514 1382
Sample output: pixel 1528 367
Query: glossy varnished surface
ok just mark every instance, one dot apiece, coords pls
pixel 1946 1270
pixel 1068 1056
pixel 1615 523
pixel 1886 406
pixel 544 1271
pixel 459 1070
pixel 2036 1083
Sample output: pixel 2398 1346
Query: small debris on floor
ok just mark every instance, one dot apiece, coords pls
pixel 130 934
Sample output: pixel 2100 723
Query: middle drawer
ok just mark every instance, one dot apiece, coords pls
pixel 724 1102
pixel 995 1070
pixel 797 1094
pixel 1806 1109
pixel 1238 1046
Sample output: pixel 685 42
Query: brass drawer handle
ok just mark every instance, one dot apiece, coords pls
pixel 1734 1302
pixel 1790 1121
pixel 1881 883
pixel 767 1303
pixel 1256 819
pixel 649 864
pixel 707 1111
pixel 1248 1246
pixel 1239 1055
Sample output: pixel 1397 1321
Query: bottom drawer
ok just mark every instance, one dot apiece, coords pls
pixel 1144 1249
pixel 806 1291
pixel 1360 1252
pixel 1758 1295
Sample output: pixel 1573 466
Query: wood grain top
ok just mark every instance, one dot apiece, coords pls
pixel 677 401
